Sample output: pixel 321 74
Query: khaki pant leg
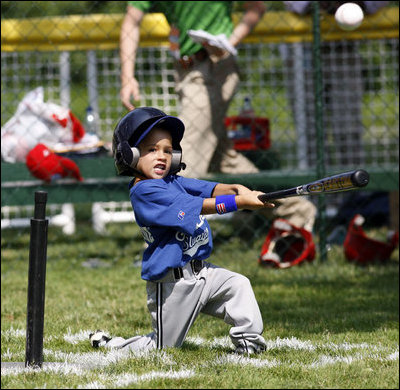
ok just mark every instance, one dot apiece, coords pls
pixel 199 141
pixel 234 162
pixel 226 159
pixel 205 92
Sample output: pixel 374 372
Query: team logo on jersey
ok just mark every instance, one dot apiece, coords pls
pixel 181 215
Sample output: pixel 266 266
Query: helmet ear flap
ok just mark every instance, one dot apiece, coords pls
pixel 176 163
pixel 130 156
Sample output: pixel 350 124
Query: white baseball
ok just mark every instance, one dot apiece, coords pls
pixel 349 16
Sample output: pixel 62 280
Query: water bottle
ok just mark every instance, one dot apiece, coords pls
pixel 91 121
pixel 246 111
pixel 247 108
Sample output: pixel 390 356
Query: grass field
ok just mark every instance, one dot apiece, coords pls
pixel 327 325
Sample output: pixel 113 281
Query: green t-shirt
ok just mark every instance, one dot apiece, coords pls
pixel 211 16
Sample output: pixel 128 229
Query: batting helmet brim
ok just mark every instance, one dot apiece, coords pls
pixel 170 123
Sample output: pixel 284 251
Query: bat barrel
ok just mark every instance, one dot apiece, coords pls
pixel 338 183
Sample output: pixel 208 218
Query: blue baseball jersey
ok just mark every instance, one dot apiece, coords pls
pixel 168 212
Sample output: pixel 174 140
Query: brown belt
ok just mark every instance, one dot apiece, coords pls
pixel 188 61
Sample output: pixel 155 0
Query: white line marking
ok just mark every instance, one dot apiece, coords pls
pixel 289 343
pixel 322 361
pixel 11 332
pixel 128 379
pixel 80 363
pixel 393 356
pixel 246 361
pixel 88 360
pixel 75 338
pixel 123 380
pixel 57 368
pixel 292 343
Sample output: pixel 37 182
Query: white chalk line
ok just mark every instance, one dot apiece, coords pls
pixel 13 333
pixel 290 343
pixel 123 380
pixel 225 342
pixel 89 360
pixel 79 363
pixel 322 361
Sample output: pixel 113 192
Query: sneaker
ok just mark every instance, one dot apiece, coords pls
pixel 98 339
pixel 248 350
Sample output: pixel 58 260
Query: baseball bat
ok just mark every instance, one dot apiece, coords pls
pixel 338 183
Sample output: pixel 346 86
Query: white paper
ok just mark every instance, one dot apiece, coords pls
pixel 220 40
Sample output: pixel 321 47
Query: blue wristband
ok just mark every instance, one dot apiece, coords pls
pixel 225 204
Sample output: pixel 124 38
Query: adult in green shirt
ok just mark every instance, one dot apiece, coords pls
pixel 206 78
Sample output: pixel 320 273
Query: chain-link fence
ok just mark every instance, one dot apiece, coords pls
pixel 71 50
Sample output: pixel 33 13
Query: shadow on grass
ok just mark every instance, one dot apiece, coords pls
pixel 336 297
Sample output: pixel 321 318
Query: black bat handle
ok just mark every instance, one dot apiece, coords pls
pixel 277 195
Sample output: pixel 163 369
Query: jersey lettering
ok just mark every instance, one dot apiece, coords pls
pixel 192 244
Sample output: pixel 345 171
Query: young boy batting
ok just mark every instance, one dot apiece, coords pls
pixel 170 211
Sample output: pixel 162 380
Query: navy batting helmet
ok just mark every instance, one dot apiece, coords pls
pixel 133 127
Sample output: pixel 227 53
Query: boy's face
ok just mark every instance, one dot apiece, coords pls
pixel 155 154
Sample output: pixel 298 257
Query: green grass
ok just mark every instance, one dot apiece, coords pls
pixel 328 325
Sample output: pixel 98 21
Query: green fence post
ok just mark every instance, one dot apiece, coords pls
pixel 318 87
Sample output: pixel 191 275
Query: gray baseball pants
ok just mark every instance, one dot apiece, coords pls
pixel 175 303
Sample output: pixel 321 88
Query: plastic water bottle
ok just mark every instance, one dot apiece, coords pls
pixel 91 120
pixel 247 111
pixel 247 108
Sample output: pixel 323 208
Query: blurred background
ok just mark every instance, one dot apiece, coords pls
pixel 66 53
